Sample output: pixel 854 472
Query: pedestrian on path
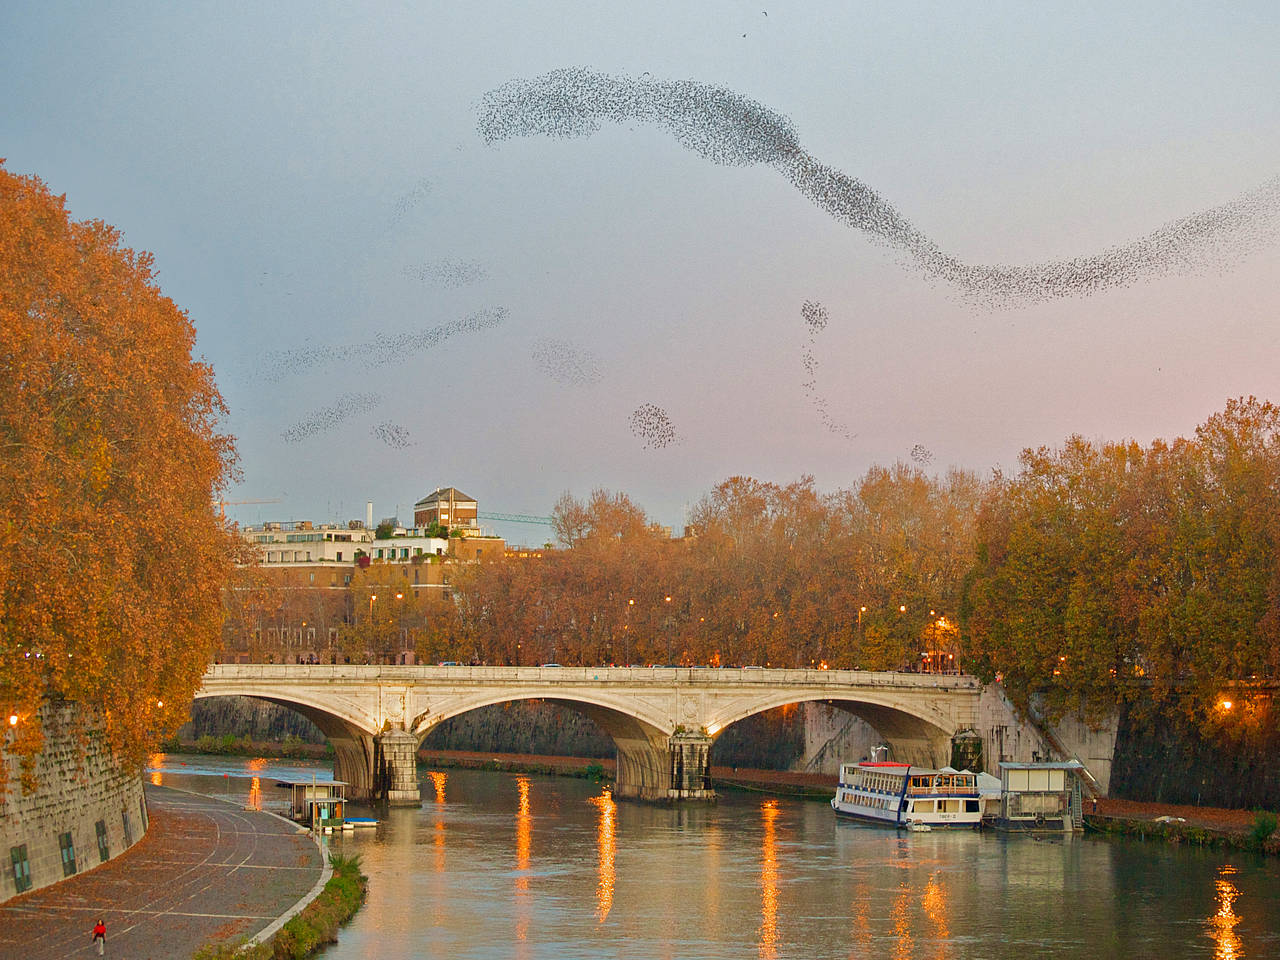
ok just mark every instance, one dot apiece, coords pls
pixel 100 935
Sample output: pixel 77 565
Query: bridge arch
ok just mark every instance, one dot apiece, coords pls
pixel 918 732
pixel 640 735
pixel 348 729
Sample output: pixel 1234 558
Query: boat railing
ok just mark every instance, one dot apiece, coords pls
pixel 942 791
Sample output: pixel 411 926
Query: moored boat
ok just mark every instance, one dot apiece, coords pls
pixel 900 795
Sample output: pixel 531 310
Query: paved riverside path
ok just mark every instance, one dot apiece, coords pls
pixel 205 870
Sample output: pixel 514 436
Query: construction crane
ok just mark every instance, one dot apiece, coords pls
pixel 223 504
pixel 515 518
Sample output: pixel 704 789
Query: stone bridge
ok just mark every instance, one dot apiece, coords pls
pixel 662 719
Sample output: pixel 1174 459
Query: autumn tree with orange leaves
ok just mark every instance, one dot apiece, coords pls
pixel 111 560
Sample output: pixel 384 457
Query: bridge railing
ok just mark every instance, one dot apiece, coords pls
pixel 659 676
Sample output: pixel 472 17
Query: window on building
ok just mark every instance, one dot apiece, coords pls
pixel 404 553
pixel 100 828
pixel 333 636
pixel 339 556
pixel 346 580
pixel 68 854
pixel 311 577
pixel 271 556
pixel 479 551
pixel 415 576
pixel 21 868
pixel 439 551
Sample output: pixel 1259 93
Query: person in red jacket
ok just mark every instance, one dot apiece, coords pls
pixel 100 935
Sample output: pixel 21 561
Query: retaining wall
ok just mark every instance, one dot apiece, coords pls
pixel 83 812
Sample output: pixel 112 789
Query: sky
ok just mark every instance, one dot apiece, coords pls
pixel 399 292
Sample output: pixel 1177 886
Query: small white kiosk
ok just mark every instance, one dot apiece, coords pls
pixel 1040 797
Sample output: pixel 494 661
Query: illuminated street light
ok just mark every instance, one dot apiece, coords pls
pixel 13 719
pixel 1226 704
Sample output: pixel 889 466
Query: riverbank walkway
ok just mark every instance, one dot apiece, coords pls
pixel 206 870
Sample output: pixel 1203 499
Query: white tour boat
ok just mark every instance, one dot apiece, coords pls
pixel 910 797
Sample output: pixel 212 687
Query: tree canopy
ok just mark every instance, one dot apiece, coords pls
pixel 111 558
pixel 767 574
pixel 1113 572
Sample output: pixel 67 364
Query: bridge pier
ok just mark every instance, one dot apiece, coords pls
pixel 690 755
pixel 665 769
pixel 396 768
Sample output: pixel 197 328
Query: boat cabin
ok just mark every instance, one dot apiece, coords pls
pixel 1040 796
pixel 319 803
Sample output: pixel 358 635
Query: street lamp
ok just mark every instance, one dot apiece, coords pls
pixel 667 599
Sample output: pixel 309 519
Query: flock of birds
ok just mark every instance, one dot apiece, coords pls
pixel 326 418
pixel 651 424
pixel 726 127
pixel 448 273
pixel 565 363
pixel 815 317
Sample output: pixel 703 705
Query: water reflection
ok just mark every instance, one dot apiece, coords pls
pixel 460 880
pixel 605 840
pixel 903 940
pixel 1223 923
pixel 438 780
pixel 155 761
pixel 934 902
pixel 768 881
pixel 524 842
pixel 861 933
pixel 255 794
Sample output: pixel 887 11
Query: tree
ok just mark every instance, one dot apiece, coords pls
pixel 111 558
pixel 1117 572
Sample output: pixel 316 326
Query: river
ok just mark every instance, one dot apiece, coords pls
pixel 500 865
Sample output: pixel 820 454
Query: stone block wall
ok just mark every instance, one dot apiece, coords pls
pixel 1009 736
pixel 84 811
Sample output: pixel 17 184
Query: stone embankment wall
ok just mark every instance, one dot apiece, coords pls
pixel 84 811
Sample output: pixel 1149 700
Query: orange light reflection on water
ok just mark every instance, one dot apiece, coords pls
pixel 769 881
pixel 861 932
pixel 255 793
pixel 606 841
pixel 156 760
pixel 1223 923
pixel 934 901
pixel 438 780
pixel 524 843
pixel 902 948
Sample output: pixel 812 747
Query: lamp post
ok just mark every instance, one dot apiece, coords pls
pixel 667 600
pixel 626 630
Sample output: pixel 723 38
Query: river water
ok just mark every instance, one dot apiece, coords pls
pixel 498 865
